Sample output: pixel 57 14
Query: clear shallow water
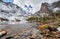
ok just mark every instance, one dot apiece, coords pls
pixel 16 28
pixel 21 22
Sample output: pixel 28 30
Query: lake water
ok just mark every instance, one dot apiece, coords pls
pixel 13 29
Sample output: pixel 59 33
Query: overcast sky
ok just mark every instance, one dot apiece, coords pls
pixel 36 4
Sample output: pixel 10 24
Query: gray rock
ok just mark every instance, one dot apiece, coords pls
pixel 31 34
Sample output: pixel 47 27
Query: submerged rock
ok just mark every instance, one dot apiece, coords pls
pixel 31 34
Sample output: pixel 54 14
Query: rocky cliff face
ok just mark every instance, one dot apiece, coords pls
pixel 44 11
pixel 47 9
pixel 44 8
pixel 55 7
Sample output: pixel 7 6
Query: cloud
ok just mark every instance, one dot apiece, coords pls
pixel 56 9
pixel 36 4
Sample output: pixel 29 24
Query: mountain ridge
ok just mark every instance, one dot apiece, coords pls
pixel 11 11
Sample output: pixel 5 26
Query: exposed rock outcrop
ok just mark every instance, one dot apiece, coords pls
pixel 4 19
pixel 44 11
pixel 44 8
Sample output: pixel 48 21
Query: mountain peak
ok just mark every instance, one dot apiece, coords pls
pixel 44 11
pixel 44 8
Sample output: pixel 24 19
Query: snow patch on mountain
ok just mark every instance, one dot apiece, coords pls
pixel 56 9
pixel 12 11
pixel 15 10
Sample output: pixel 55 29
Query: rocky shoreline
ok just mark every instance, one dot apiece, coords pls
pixel 39 32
